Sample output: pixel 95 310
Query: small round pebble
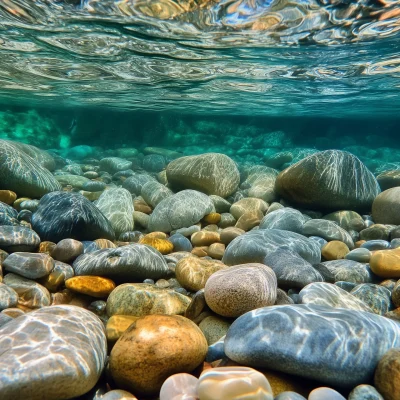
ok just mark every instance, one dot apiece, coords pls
pixel 361 255
pixel 179 387
pixel 325 393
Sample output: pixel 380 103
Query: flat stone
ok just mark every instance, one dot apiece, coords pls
pixel 326 294
pixel 29 265
pixel 34 343
pixel 287 219
pixel 131 263
pixel 18 238
pixel 95 286
pixel 63 215
pixel 152 349
pixel 255 245
pixel 204 238
pixel 164 246
pixel 373 245
pixel 338 347
pixel 139 299
pixel 135 183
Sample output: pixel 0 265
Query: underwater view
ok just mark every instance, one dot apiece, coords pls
pixel 199 199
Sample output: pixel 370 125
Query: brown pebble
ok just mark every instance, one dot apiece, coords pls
pixel 7 196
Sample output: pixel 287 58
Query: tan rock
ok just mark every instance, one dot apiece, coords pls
pixel 117 325
pixel 67 250
pixel 105 244
pixel 193 273
pixel 385 263
pixel 249 220
pixel 200 251
pixel 387 375
pixel 334 250
pixel 204 238
pixel 216 250
pixel 46 247
pixel 95 286
pixel 214 328
pixel 152 349
pixel 7 196
pixel 248 205
pixel 228 234
pixel 140 205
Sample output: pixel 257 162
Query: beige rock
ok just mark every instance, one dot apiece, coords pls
pixel 248 205
pixel 204 238
pixel 214 328
pixel 334 250
pixel 179 387
pixel 117 325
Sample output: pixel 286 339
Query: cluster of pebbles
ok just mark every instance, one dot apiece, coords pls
pixel 153 275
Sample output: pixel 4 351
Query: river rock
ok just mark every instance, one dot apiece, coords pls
pixel 18 238
pixel 23 174
pixel 63 215
pixel 135 183
pixel 34 343
pixel 348 220
pixel 377 297
pixel 329 180
pixel 387 375
pixel 8 297
pixel 131 263
pixel 114 164
pixel 248 205
pixel 286 219
pixel 365 392
pixel 29 265
pixel 386 207
pixel 338 347
pixel 349 271
pixel 211 173
pixel 153 192
pixel 253 246
pixel 8 215
pixel 386 263
pixel 181 210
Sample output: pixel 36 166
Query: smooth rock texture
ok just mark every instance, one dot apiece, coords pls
pixel 255 245
pixel 361 255
pixel 29 265
pixel 18 238
pixel 348 220
pixel 325 393
pixel 214 328
pixel 134 262
pixel 326 294
pixel 152 349
pixel 286 219
pixel 329 180
pixel 377 297
pixel 365 392
pixel 55 353
pixel 8 215
pixel 246 205
pixel 8 297
pixel 338 347
pixel 349 271
pixel 211 173
pixel 23 174
pixel 116 205
pixel 114 164
pixel 139 299
pixel 387 375
pixel 386 263
pixel 95 286
pixel 63 215
pixel 234 383
pixel 334 250
pixel 178 387
pixel 153 192
pixel 67 250
pixel 232 292
pixel 181 210
pixel 386 207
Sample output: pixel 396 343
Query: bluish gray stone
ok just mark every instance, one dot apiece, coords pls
pixel 132 263
pixel 361 255
pixel 180 242
pixel 328 230
pixel 135 182
pixel 291 270
pixel 8 215
pixel 31 205
pixel 216 351
pixel 347 286
pixel 350 271
pixel 25 215
pixel 338 347
pixel 372 245
pixel 29 265
pixel 321 241
pixel 8 297
pixel 286 219
pixel 253 246
pixel 94 186
pixel 154 163
pixel 395 243
pixel 67 215
pixel 114 164
pixel 325 393
pixel 18 238
pixel 289 396
pixel 377 297
pixel 365 392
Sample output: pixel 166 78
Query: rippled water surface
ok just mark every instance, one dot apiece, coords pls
pixel 254 57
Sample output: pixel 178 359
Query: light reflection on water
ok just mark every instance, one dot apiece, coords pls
pixel 271 57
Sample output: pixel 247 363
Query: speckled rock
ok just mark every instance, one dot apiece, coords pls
pixel 349 271
pixel 181 210
pixel 134 262
pixel 326 294
pixel 178 387
pixel 67 250
pixel 329 180
pixel 63 215
pixel 338 347
pixel 8 297
pixel 234 383
pixel 23 174
pixel 152 349
pixel 377 297
pixel 387 375
pixel 365 392
pixel 211 173
pixel 193 273
pixel 291 270
pixel 18 238
pixel 287 219
pixel 232 292
pixel 255 245
pixel 32 344
pixel 29 265
pixel 139 299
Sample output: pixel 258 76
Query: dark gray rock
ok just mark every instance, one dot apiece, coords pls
pixel 350 271
pixel 286 219
pixel 338 347
pixel 29 265
pixel 132 263
pixel 18 238
pixel 154 163
pixel 63 215
pixel 347 286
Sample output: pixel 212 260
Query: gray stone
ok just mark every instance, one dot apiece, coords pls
pixel 154 192
pixel 361 255
pixel 286 219
pixel 132 263
pixel 8 297
pixel 94 186
pixel 29 265
pixel 326 294
pixel 183 209
pixel 395 243
pixel 76 181
pixel 116 205
pixel 372 245
pixel 221 205
pixel 365 392
pixel 347 286
pixel 291 270
pixel 328 230
pixel 325 393
pixel 180 242
pixel 18 238
pixel 55 353
pixel 135 183
pixel 321 241
pixel 377 297
pixel 63 215
pixel 350 271
pixel 216 351
pixel 253 246
pixel 23 174
pixel 114 164
pixel 348 220
pixel 338 347
pixel 289 396
pixel 154 162
pixel 8 215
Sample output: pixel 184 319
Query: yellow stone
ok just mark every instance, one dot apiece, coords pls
pixel 385 263
pixel 17 203
pixel 7 196
pixel 200 251
pixel 54 280
pixel 335 250
pixel 117 325
pixel 204 238
pixel 46 247
pixel 142 206
pixel 216 250
pixel 156 235
pixel 105 244
pixel 95 286
pixel 162 245
pixel 212 218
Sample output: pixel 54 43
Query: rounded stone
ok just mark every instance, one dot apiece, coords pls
pixel 118 394
pixel 152 349
pixel 234 383
pixel 373 245
pixel 216 250
pixel 94 286
pixel 334 250
pixel 180 242
pixel 212 218
pixel 214 328
pixel 204 238
pixel 153 192
pixel 386 207
pixel 386 263
pixel 114 164
pixel 117 325
pixel 234 291
pixel 18 238
pixel 325 393
pixel 348 220
pixel 67 250
pixel 246 205
pixel 387 375
pixel 29 265
pixel 162 245
pixel 230 233
pixel 7 196
pixel 365 392
pixel 360 255
pixel 289 396
pixel 179 387
pixel 211 173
